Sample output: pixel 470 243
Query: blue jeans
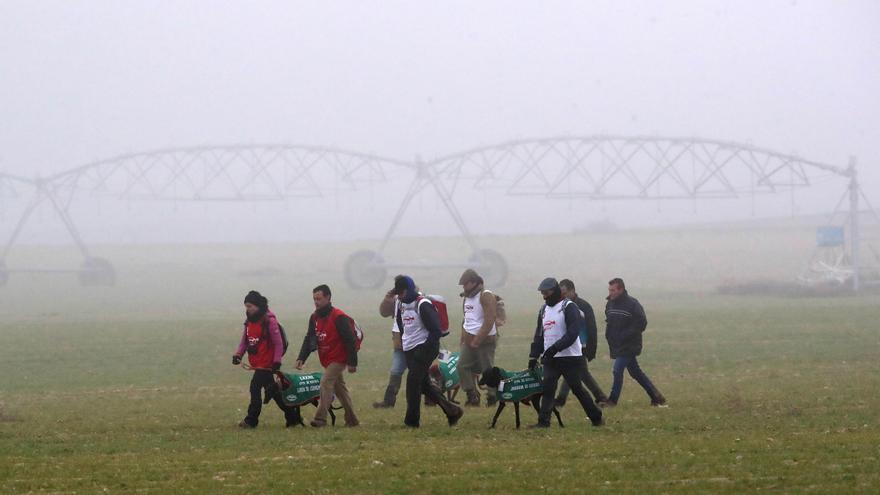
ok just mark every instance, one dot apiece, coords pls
pixel 631 364
pixel 398 362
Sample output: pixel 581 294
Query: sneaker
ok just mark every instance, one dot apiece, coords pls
pixel 245 425
pixel 607 403
pixel 382 405
pixel 318 424
pixel 455 416
pixel 661 402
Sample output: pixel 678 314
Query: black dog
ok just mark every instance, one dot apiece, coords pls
pixel 492 378
pixel 274 389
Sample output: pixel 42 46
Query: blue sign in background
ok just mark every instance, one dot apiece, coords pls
pixel 829 236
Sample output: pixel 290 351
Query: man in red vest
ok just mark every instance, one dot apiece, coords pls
pixel 334 333
pixel 262 341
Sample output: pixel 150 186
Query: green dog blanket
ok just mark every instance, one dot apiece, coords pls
pixel 303 388
pixel 519 385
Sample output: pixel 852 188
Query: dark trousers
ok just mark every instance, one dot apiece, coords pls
pixel 631 364
pixel 570 368
pixel 263 380
pixel 418 362
pixel 589 381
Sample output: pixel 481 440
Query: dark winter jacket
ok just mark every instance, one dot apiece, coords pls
pixel 592 332
pixel 624 323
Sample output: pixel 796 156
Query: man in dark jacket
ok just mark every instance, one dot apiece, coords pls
pixel 588 337
pixel 625 321
pixel 556 343
pixel 332 332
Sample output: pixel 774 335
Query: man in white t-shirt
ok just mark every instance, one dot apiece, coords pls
pixel 479 336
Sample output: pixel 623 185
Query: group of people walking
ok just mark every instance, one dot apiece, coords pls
pixel 565 339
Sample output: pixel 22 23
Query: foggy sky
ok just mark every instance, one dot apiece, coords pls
pixel 83 80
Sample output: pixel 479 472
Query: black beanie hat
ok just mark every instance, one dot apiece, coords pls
pixel 256 299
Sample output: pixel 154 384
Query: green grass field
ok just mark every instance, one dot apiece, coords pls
pixel 130 389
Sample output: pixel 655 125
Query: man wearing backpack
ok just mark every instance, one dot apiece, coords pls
pixel 588 337
pixel 557 344
pixel 420 328
pixel 478 336
pixel 625 321
pixel 262 340
pixel 335 335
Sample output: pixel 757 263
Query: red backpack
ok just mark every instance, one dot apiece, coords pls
pixel 358 331
pixel 440 305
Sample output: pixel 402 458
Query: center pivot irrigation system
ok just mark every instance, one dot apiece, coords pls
pixel 573 168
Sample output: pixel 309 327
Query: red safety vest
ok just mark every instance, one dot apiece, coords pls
pixel 265 351
pixel 330 346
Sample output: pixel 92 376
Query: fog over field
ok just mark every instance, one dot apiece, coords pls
pixel 159 159
pixel 88 81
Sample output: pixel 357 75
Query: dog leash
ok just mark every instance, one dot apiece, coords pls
pixel 281 378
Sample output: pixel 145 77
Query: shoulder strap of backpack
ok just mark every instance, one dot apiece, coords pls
pixel 419 302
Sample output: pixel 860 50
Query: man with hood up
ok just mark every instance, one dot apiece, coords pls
pixel 262 341
pixel 420 337
pixel 557 344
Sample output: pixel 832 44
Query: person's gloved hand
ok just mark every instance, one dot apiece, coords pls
pixel 276 366
pixel 533 362
pixel 548 354
pixel 236 359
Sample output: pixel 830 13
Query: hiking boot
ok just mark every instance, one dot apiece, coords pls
pixel 453 418
pixel 391 390
pixel 245 425
pixel 607 403
pixel 661 402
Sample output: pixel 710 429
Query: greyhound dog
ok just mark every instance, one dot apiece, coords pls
pixel 530 391
pixel 282 383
